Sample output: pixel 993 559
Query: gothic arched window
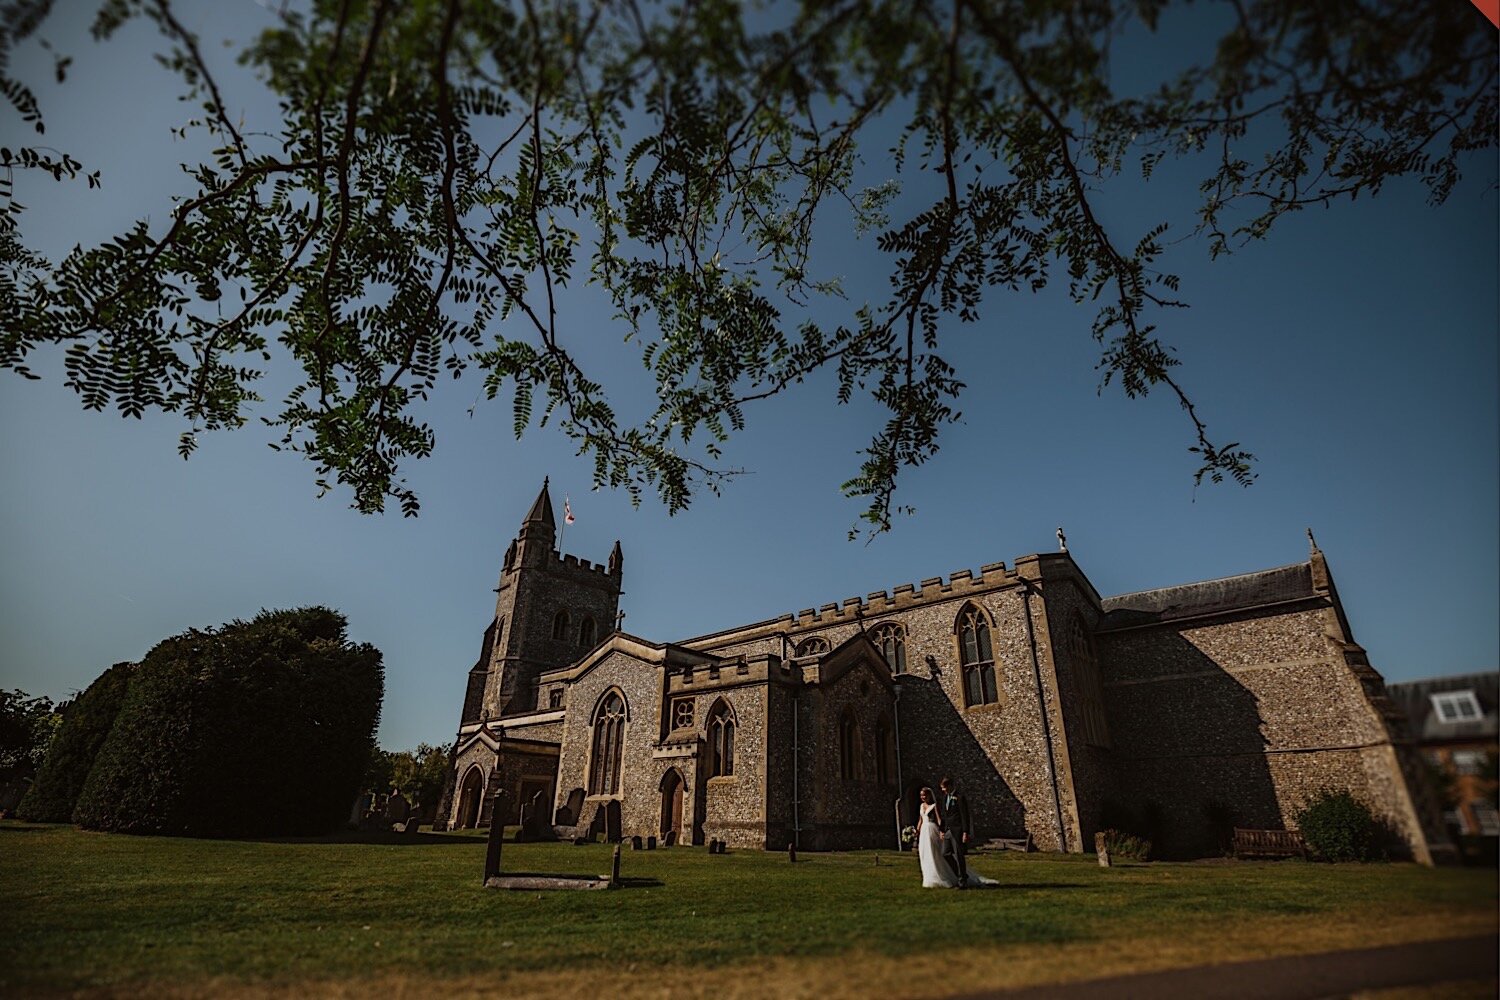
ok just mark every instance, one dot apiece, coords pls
pixel 560 625
pixel 885 752
pixel 976 657
pixel 848 747
pixel 720 741
pixel 586 632
pixel 609 740
pixel 816 646
pixel 891 639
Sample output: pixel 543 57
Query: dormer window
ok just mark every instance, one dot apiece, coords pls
pixel 1456 706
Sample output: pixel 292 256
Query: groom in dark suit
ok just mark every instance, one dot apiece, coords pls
pixel 957 827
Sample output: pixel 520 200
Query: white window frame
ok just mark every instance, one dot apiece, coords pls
pixel 1449 704
pixel 1487 817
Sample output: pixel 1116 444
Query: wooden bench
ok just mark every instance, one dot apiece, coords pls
pixel 1268 844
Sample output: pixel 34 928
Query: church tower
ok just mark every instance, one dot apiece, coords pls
pixel 550 610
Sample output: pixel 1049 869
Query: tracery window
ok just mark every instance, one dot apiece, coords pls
pixel 976 657
pixel 586 632
pixel 682 713
pixel 885 752
pixel 816 646
pixel 560 625
pixel 609 739
pixel 891 640
pixel 720 741
pixel 555 698
pixel 848 747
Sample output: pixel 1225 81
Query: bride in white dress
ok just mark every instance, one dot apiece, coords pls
pixel 936 872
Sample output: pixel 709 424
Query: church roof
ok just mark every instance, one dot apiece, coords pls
pixel 542 509
pixel 1230 593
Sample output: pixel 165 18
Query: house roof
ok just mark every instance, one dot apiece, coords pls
pixel 1415 699
pixel 1230 593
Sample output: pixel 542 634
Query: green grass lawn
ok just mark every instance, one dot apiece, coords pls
pixel 86 910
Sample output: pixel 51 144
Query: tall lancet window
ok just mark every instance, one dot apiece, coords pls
pixel 720 741
pixel 609 741
pixel 975 655
pixel 890 638
pixel 586 632
pixel 560 625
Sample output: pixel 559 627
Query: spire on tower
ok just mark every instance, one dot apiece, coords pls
pixel 616 559
pixel 541 511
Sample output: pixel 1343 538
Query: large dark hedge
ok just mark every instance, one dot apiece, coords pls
pixel 259 728
pixel 70 756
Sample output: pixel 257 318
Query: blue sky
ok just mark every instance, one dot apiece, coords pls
pixel 1354 353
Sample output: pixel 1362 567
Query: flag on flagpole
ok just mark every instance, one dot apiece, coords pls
pixel 568 517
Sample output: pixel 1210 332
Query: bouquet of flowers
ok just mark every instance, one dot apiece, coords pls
pixel 908 836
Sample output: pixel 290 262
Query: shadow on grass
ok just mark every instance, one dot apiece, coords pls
pixel 366 837
pixel 19 826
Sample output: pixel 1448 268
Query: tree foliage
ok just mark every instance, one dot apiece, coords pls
pixel 70 757
pixel 258 728
pixel 418 773
pixel 27 725
pixel 444 172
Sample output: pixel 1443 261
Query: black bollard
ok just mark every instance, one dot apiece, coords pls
pixel 614 870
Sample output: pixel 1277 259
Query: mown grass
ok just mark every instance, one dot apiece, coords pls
pixel 84 910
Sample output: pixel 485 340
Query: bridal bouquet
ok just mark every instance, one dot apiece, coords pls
pixel 908 836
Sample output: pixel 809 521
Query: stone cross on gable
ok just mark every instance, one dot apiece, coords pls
pixel 619 621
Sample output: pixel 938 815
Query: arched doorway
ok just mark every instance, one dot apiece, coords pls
pixel 470 797
pixel 671 803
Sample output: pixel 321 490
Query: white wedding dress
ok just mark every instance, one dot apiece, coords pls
pixel 936 872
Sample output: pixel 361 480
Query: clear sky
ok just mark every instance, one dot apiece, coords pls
pixel 1354 353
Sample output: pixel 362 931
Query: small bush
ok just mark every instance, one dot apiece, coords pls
pixel 1126 846
pixel 259 728
pixel 1338 827
pixel 71 754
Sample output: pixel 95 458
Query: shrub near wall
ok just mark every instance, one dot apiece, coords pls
pixel 71 755
pixel 260 728
pixel 1338 827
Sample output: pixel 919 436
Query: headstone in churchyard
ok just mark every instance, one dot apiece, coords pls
pixel 571 812
pixel 1101 847
pixel 650 843
pixel 635 843
pixel 612 821
pixel 670 839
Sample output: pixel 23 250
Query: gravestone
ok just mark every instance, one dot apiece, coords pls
pixel 524 833
pixel 670 839
pixel 571 811
pixel 612 821
pixel 650 843
pixel 635 843
pixel 1101 847
pixel 791 853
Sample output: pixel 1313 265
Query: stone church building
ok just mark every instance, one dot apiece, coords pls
pixel 1191 709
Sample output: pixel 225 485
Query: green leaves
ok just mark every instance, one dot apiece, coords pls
pixel 445 172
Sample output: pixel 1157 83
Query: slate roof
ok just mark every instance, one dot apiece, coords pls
pixel 1415 699
pixel 1231 593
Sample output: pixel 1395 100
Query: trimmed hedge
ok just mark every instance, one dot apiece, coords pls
pixel 73 750
pixel 259 728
